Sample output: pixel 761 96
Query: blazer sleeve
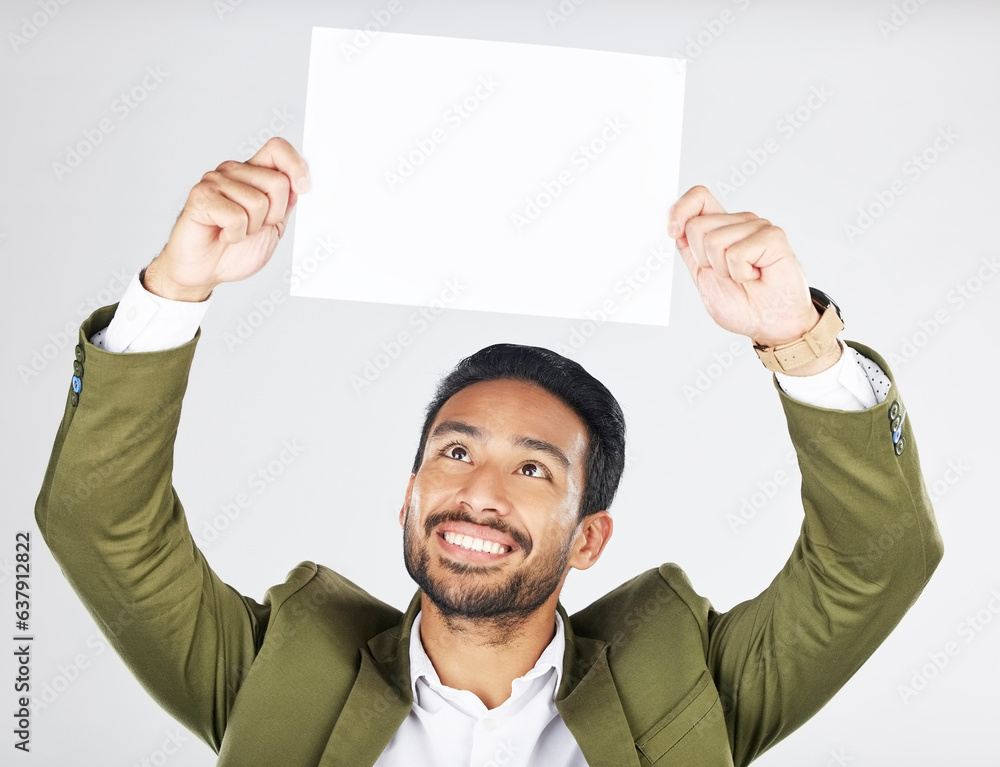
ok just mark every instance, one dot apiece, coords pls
pixel 868 545
pixel 108 512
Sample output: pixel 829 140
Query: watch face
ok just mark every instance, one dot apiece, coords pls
pixel 821 300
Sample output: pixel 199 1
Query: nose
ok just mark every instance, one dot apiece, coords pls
pixel 483 490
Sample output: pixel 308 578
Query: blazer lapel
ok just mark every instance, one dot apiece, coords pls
pixel 379 701
pixel 382 697
pixel 589 704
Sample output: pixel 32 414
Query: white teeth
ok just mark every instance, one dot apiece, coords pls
pixel 475 544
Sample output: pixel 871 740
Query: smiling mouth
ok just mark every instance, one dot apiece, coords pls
pixel 474 544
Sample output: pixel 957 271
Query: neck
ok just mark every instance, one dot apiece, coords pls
pixel 485 656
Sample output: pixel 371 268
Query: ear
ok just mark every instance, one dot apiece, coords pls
pixel 595 532
pixel 406 500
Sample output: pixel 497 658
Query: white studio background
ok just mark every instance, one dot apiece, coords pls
pixel 810 113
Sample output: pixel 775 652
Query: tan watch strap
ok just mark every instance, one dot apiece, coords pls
pixel 811 346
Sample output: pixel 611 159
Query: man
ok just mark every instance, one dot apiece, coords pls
pixel 519 459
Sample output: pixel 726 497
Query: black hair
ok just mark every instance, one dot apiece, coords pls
pixel 564 379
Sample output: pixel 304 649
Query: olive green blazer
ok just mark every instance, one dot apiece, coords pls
pixel 318 673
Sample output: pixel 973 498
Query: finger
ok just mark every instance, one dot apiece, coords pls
pixel 691 246
pixel 278 154
pixel 255 202
pixel 696 201
pixel 759 249
pixel 700 227
pixel 283 224
pixel 722 251
pixel 689 261
pixel 272 183
pixel 209 206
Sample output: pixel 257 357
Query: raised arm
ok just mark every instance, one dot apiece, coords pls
pixel 107 508
pixel 869 541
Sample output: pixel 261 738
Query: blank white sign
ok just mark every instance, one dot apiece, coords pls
pixel 491 176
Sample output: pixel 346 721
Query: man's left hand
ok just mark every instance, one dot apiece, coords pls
pixel 744 269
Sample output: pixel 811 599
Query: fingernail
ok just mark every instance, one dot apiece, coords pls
pixel 303 184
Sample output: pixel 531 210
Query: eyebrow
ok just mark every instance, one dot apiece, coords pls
pixel 460 427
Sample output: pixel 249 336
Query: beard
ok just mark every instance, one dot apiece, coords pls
pixel 519 595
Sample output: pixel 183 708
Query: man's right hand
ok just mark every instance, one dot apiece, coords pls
pixel 231 223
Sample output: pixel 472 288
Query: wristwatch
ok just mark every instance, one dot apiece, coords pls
pixel 812 345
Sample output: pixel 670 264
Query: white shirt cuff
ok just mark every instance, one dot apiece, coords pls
pixel 854 383
pixel 145 322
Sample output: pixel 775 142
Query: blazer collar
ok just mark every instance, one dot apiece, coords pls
pixel 382 697
pixel 589 703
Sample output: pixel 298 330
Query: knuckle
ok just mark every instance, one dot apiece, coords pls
pixel 228 166
pixel 202 192
pixel 212 177
pixel 712 238
pixel 281 183
pixel 238 223
pixel 695 225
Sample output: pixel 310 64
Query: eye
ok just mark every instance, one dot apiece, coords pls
pixel 534 470
pixel 456 451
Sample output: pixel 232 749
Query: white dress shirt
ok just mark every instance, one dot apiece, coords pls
pixel 448 727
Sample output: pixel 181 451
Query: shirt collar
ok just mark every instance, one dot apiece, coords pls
pixel 421 666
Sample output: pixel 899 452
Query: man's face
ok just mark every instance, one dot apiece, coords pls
pixel 491 517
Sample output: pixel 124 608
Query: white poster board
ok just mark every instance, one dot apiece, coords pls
pixel 486 175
